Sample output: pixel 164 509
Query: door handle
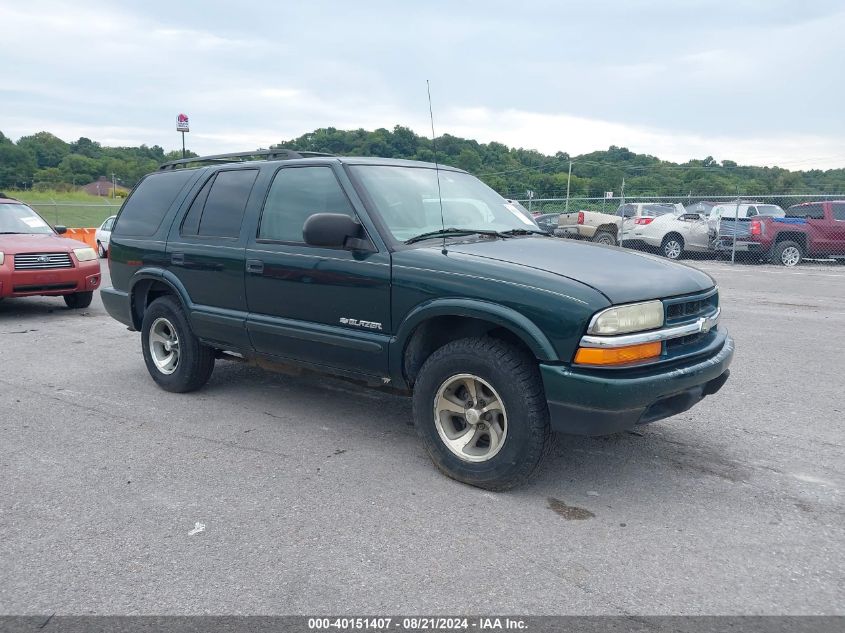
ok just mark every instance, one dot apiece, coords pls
pixel 254 266
pixel 177 259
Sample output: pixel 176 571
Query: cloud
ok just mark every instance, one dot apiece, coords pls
pixel 752 82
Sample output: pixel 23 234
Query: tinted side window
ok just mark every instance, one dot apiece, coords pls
pixel 224 207
pixel 144 210
pixel 296 194
pixel 838 209
pixel 191 223
pixel 815 211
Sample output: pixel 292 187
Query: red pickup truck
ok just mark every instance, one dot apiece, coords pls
pixel 812 229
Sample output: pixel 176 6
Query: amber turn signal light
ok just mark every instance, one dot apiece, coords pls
pixel 617 355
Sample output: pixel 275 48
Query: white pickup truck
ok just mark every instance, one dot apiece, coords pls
pixel 604 228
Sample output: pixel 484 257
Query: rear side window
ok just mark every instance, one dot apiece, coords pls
pixel 296 194
pixel 838 209
pixel 218 209
pixel 144 210
pixel 814 211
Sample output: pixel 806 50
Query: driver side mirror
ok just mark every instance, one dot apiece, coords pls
pixel 335 230
pixel 61 230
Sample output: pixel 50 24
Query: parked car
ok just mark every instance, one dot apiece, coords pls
pixel 672 233
pixel 812 229
pixel 35 260
pixel 103 235
pixel 742 210
pixel 499 332
pixel 604 228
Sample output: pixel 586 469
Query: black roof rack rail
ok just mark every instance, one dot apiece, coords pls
pixel 236 157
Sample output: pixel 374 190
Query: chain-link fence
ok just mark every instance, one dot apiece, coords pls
pixel 784 229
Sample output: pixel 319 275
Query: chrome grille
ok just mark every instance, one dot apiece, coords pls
pixel 42 261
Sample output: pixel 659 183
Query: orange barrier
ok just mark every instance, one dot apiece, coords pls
pixel 89 236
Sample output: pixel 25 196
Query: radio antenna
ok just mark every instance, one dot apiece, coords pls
pixel 436 165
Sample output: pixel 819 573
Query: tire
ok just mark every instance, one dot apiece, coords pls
pixel 672 247
pixel 788 253
pixel 604 237
pixel 101 251
pixel 78 300
pixel 187 365
pixel 499 372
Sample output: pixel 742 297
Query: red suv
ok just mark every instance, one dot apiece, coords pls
pixel 36 260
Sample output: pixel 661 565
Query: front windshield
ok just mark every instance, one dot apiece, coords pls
pixel 19 218
pixel 407 200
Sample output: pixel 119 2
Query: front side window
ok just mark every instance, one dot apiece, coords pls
pixel 409 203
pixel 296 194
pixel 838 209
pixel 19 218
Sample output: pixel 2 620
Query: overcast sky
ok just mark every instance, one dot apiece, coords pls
pixel 759 82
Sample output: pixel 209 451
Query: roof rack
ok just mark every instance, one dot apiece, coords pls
pixel 237 157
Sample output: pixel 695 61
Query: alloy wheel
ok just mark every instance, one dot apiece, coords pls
pixel 470 418
pixel 163 342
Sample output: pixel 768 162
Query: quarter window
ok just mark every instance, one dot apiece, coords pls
pixel 296 194
pixel 838 209
pixel 144 210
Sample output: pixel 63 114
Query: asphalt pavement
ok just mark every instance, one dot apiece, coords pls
pixel 271 494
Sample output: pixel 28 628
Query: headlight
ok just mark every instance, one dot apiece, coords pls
pixel 634 317
pixel 85 254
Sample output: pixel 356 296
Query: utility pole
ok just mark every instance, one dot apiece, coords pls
pixel 622 206
pixel 568 180
pixel 736 220
pixel 113 186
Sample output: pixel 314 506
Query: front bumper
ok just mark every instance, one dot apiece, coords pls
pixel 604 402
pixel 51 282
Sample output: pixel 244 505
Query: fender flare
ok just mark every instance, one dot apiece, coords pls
pixel 503 316
pixel 161 275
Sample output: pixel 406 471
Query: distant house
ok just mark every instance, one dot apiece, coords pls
pixel 102 187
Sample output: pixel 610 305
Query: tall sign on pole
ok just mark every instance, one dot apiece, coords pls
pixel 182 126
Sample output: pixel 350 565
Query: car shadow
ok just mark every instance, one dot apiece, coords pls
pixel 674 452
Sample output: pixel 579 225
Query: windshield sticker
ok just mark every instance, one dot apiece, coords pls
pixel 35 223
pixel 519 214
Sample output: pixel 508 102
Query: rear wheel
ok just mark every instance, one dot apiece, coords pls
pixel 175 358
pixel 78 300
pixel 480 410
pixel 672 247
pixel 788 253
pixel 604 237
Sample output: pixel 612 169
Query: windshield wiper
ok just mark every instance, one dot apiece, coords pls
pixel 11 233
pixel 523 232
pixel 452 231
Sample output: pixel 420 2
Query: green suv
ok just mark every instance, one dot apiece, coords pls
pixel 400 274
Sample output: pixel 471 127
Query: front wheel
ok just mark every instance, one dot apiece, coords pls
pixel 788 253
pixel 481 412
pixel 175 358
pixel 101 251
pixel 78 300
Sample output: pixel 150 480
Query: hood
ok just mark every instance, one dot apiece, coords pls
pixel 621 275
pixel 34 243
